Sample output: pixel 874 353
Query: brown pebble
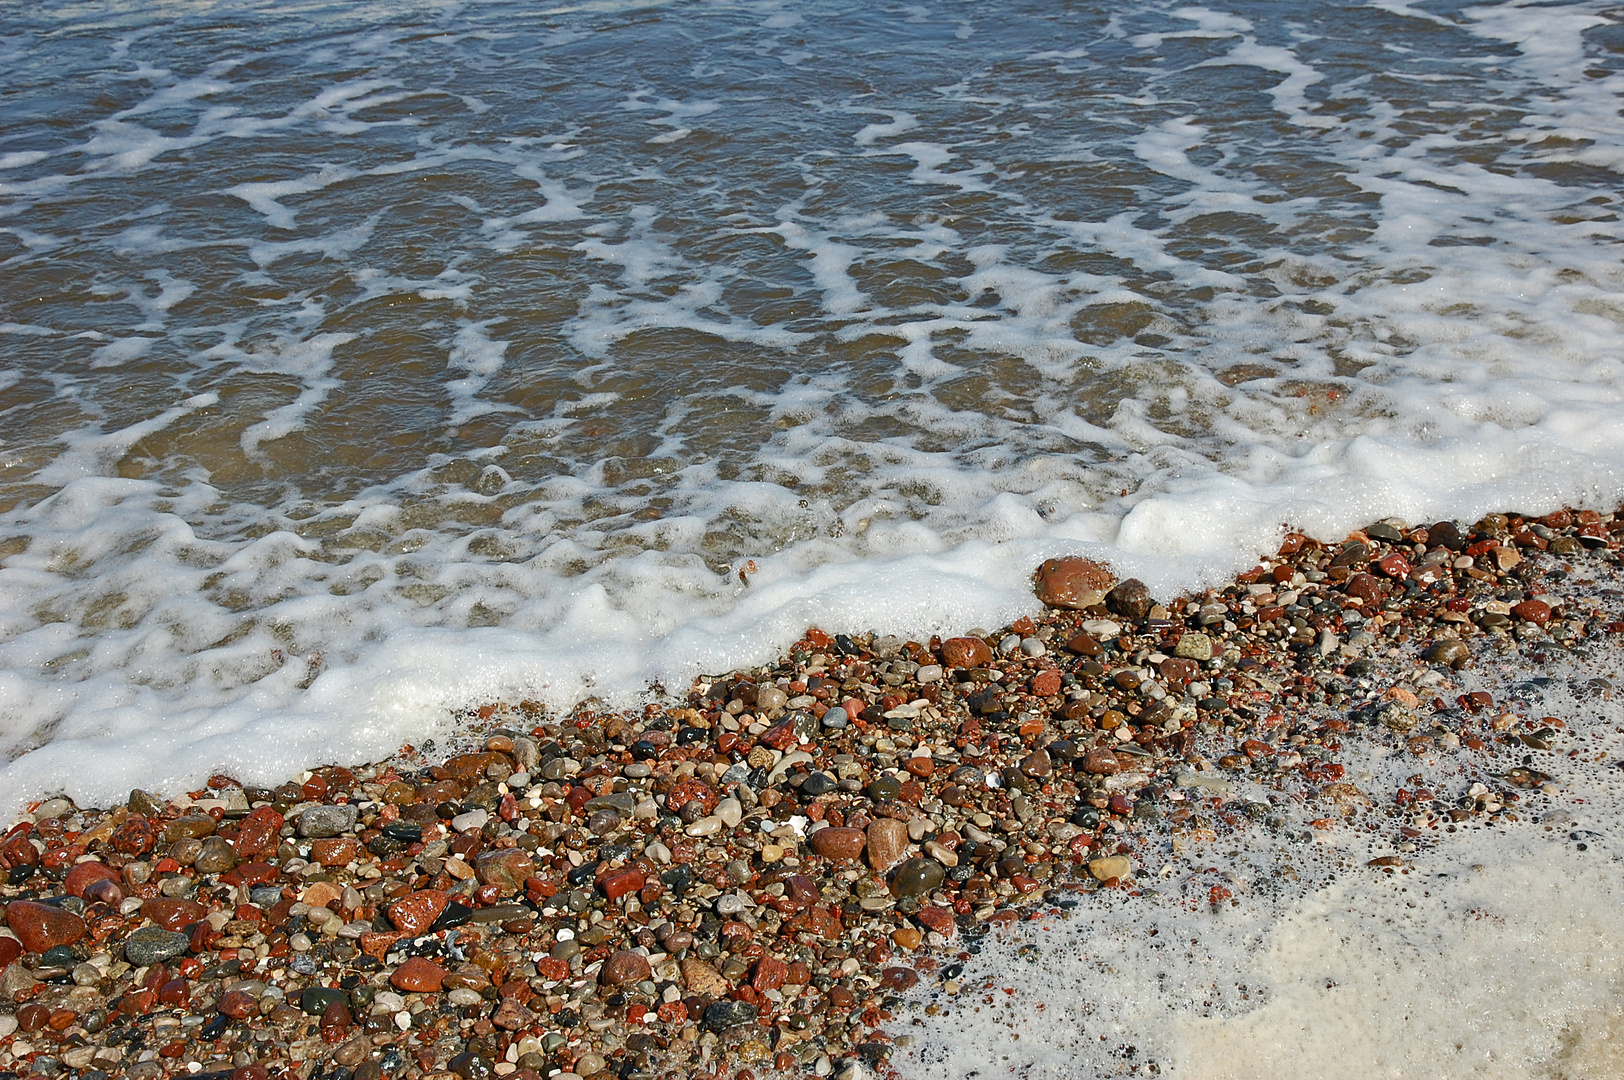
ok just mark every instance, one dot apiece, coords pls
pixel 887 842
pixel 40 926
pixel 701 978
pixel 1073 583
pixel 838 844
pixel 624 967
pixel 966 652
pixel 418 975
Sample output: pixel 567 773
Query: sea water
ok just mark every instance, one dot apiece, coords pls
pixel 363 362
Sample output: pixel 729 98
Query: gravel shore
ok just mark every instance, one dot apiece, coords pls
pixel 754 877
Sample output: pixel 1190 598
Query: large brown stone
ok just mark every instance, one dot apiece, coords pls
pixel 506 868
pixel 1101 761
pixel 966 652
pixel 418 975
pixel 624 967
pixel 1131 599
pixel 1072 582
pixel 838 845
pixel 40 926
pixel 887 842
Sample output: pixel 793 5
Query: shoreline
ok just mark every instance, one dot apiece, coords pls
pixel 757 876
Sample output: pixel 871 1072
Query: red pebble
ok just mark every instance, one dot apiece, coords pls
pixel 1395 566
pixel 1046 683
pixel 173 914
pixel 781 736
pixel 966 652
pixel 418 975
pixel 175 992
pixel 40 926
pixel 259 832
pixel 771 973
pixel 415 912
pixel 1537 612
pixel 86 873
pixel 237 1005
pixel 621 882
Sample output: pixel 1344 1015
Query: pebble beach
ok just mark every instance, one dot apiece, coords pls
pixel 773 872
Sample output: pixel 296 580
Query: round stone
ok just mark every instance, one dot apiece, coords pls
pixel 917 877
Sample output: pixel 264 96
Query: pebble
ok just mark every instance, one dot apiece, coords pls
pixel 886 842
pixel 418 975
pixel 623 967
pixel 839 844
pixel 1072 583
pixel 153 945
pixel 1110 867
pixel 323 821
pixel 668 882
pixel 916 877
pixel 42 926
pixel 415 912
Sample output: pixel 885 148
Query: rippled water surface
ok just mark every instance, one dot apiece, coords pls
pixel 359 361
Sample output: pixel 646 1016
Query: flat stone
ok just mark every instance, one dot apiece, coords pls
pixel 418 975
pixel 415 912
pixel 701 978
pixel 153 945
pixel 1110 866
pixel 1194 646
pixel 1101 761
pixel 172 913
pixel 321 821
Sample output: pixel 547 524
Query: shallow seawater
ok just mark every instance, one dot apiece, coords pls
pixel 363 362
